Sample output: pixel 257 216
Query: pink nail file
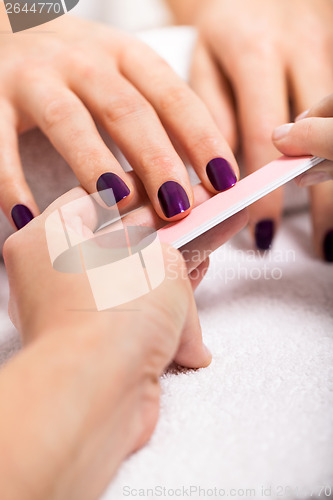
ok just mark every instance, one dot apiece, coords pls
pixel 244 193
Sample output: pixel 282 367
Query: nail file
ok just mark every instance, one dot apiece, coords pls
pixel 223 205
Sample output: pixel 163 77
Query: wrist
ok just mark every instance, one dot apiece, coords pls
pixel 81 402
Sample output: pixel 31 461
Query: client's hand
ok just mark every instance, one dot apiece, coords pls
pixel 79 72
pixel 85 392
pixel 254 58
pixel 312 134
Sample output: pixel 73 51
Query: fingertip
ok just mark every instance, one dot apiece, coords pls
pixel 312 178
pixel 208 356
pixel 301 116
pixel 202 358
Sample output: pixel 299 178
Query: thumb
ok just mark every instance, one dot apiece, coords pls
pixel 310 136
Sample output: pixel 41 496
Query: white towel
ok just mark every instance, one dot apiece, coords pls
pixel 259 420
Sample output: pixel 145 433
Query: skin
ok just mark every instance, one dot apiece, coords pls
pixel 312 134
pixel 87 382
pixel 76 73
pixel 253 58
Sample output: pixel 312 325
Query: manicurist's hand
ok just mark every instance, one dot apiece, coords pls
pixel 254 58
pixel 78 73
pixel 84 393
pixel 312 134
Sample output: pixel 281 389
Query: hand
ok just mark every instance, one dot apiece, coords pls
pixel 81 72
pixel 86 217
pixel 256 56
pixel 91 392
pixel 312 134
pixel 86 393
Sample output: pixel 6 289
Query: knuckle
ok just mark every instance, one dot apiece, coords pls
pixel 157 161
pixel 33 76
pixel 130 52
pixel 139 51
pixel 259 52
pixel 174 97
pixel 123 106
pixel 57 110
pixel 88 160
pixel 206 142
pixel 85 66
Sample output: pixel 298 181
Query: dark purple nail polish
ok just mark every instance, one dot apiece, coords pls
pixel 112 188
pixel 173 199
pixel 328 246
pixel 264 233
pixel 221 174
pixel 21 216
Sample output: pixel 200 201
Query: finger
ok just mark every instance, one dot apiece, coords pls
pixel 191 352
pixel 134 126
pixel 310 136
pixel 67 123
pixel 322 219
pixel 212 87
pixel 311 81
pixel 324 108
pixel 259 82
pixel 16 200
pixel 185 117
pixel 199 250
pixel 316 175
pixel 198 274
pixel 183 330
pixel 84 216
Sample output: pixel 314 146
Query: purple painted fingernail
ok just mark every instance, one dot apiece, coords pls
pixel 112 188
pixel 221 174
pixel 264 233
pixel 328 246
pixel 21 216
pixel 173 199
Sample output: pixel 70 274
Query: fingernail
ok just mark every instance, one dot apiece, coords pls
pixel 221 174
pixel 21 216
pixel 112 188
pixel 303 115
pixel 173 199
pixel 264 233
pixel 281 132
pixel 312 178
pixel 328 246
